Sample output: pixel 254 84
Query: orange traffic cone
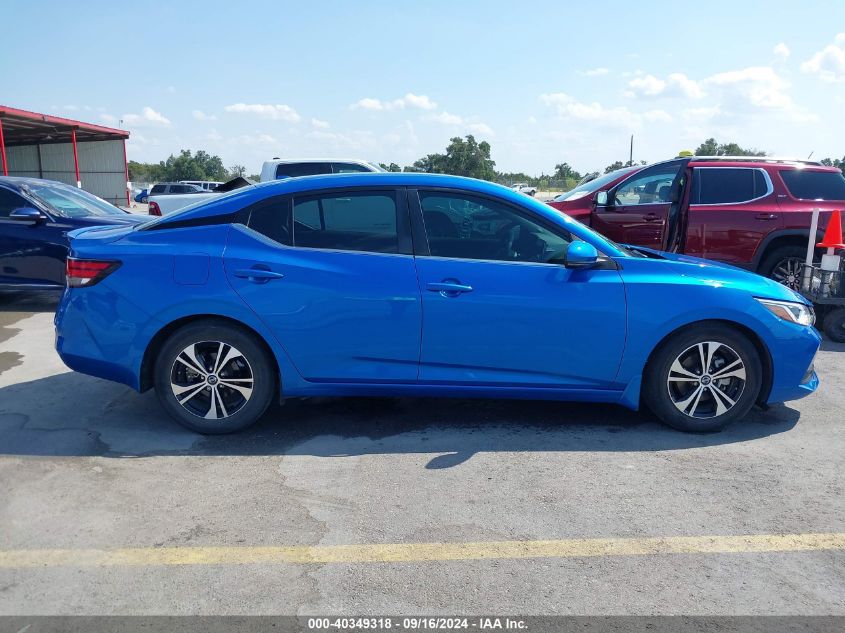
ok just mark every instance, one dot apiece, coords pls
pixel 833 233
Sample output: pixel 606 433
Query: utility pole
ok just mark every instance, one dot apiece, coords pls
pixel 631 153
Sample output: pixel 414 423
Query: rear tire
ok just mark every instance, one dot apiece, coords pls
pixel 834 325
pixel 703 378
pixel 783 265
pixel 213 377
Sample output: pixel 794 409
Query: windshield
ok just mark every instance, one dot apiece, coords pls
pixel 70 202
pixel 594 185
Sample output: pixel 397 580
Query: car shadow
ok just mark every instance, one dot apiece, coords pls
pixel 28 301
pixel 70 414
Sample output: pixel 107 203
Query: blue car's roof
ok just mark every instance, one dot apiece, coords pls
pixel 239 198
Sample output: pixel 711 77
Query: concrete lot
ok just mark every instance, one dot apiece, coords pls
pixel 86 464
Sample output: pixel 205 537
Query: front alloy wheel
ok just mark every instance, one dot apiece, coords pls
pixel 706 380
pixel 703 378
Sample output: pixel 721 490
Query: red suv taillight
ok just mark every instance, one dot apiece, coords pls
pixel 87 272
pixel 154 209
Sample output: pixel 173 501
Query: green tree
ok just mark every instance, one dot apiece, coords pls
pixel 391 167
pixel 237 170
pixel 564 172
pixel 463 157
pixel 711 147
pixel 836 162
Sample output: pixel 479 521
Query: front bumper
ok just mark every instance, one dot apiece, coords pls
pixel 793 372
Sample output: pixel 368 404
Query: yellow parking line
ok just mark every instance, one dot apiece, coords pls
pixel 420 552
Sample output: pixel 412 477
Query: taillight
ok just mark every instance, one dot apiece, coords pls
pixel 154 209
pixel 87 272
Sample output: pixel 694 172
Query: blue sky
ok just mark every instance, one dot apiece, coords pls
pixel 543 82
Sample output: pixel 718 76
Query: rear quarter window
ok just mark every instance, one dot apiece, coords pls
pixel 814 185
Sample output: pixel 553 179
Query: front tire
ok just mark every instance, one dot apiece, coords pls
pixel 213 377
pixel 703 378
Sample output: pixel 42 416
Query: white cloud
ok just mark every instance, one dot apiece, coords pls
pixel 781 51
pixel 594 72
pixel 571 108
pixel 199 115
pixel 410 100
pixel 657 116
pixel 676 84
pixel 480 128
pixel 828 63
pixel 254 139
pixel 278 112
pixel 318 123
pixel 148 117
pixel 447 118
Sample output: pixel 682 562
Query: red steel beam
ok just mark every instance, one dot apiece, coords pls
pixel 75 158
pixel 3 149
pixel 126 173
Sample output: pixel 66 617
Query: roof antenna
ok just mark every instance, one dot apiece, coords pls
pixel 811 153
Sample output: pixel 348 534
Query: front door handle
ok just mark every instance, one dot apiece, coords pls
pixel 257 274
pixel 448 288
pixel 652 217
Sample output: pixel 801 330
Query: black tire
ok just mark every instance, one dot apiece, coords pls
pixel 248 361
pixel 782 260
pixel 144 200
pixel 661 396
pixel 834 325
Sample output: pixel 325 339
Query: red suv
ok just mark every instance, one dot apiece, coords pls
pixel 752 212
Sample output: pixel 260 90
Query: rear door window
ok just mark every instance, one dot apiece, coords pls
pixel 814 185
pixel 295 170
pixel 158 189
pixel 356 221
pixel 727 185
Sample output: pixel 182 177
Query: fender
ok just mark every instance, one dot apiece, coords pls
pixel 771 237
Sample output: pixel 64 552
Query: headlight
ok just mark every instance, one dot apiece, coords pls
pixel 790 311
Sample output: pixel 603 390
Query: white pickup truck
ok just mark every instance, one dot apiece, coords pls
pixel 276 169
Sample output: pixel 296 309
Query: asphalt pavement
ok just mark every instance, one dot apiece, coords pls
pixel 407 506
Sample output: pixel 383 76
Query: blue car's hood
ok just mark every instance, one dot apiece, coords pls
pixel 715 273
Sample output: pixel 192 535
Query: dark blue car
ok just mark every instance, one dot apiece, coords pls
pixel 35 216
pixel 419 285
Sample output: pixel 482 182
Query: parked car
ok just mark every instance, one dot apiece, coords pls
pixel 142 196
pixel 168 203
pixel 521 187
pixel 752 212
pixel 35 216
pixel 278 168
pixel 420 285
pixel 174 188
pixel 205 185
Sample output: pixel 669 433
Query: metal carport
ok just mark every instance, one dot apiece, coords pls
pixel 89 156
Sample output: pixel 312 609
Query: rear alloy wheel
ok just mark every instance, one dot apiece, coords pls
pixel 703 379
pixel 784 265
pixel 214 378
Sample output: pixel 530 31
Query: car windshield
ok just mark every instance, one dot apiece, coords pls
pixel 70 202
pixel 594 185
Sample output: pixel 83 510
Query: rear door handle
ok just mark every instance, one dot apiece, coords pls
pixel 257 274
pixel 767 216
pixel 448 288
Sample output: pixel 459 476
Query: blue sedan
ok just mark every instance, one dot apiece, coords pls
pixel 35 217
pixel 419 285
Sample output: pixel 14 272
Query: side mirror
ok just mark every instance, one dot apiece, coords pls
pixel 581 255
pixel 601 199
pixel 28 215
